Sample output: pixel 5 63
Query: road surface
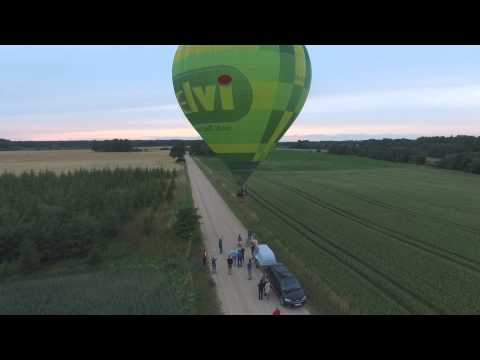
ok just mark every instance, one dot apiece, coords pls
pixel 238 295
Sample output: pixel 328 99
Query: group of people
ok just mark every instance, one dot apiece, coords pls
pixel 237 258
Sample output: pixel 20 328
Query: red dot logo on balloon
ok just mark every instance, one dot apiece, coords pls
pixel 224 79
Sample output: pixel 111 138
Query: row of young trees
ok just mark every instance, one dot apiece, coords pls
pixel 47 217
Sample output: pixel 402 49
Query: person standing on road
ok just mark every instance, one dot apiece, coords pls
pixel 264 278
pixel 276 311
pixel 267 290
pixel 242 254
pixel 204 257
pixel 239 258
pixel 214 264
pixel 249 269
pixel 230 264
pixel 261 289
pixel 220 245
pixel 233 254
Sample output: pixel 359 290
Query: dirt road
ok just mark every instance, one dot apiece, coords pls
pixel 237 294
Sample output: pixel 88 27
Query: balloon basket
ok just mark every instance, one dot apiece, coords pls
pixel 242 193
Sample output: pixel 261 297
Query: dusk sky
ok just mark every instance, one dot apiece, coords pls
pixel 357 92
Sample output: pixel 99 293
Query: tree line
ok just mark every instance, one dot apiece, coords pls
pixel 47 217
pixel 460 152
pixel 115 145
pixel 200 148
pixel 9 145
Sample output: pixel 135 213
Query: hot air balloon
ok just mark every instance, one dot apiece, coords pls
pixel 241 99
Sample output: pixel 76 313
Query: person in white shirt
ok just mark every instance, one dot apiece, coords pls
pixel 267 290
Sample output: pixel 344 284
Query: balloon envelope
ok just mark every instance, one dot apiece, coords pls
pixel 241 99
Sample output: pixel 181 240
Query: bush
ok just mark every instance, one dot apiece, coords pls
pixel 475 166
pixel 95 256
pixel 8 268
pixel 420 160
pixel 29 256
pixel 178 150
pixel 186 222
pixel 170 191
pixel 148 223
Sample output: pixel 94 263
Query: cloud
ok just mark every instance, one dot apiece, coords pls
pixel 87 113
pixel 130 133
pixel 375 131
pixel 452 97
pixel 161 120
pixel 415 111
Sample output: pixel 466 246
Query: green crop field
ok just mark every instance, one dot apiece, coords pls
pixel 366 236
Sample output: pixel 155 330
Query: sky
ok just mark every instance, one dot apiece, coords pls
pixel 357 92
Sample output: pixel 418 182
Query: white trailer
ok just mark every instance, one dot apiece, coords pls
pixel 264 256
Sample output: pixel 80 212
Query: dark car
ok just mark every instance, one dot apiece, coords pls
pixel 286 285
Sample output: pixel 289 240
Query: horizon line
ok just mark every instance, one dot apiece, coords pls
pixel 353 137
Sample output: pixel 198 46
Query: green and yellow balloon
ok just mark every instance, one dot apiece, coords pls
pixel 241 99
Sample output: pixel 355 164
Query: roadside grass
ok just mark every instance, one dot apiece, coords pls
pixel 366 236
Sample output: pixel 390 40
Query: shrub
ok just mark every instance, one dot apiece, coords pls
pixel 420 160
pixel 29 256
pixel 95 256
pixel 186 222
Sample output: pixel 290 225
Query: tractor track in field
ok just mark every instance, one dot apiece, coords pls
pixel 449 256
pixel 298 225
pixel 398 209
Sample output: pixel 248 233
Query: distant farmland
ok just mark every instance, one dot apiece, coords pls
pixel 366 236
pixel 65 160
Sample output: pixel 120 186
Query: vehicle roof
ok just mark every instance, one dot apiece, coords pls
pixel 265 255
pixel 281 270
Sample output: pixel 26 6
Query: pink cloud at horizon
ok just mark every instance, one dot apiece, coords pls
pixel 296 131
pixel 420 130
pixel 114 133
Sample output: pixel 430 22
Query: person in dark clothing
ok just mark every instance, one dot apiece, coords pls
pixel 239 258
pixel 214 264
pixel 230 264
pixel 249 269
pixel 261 289
pixel 220 245
pixel 233 254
